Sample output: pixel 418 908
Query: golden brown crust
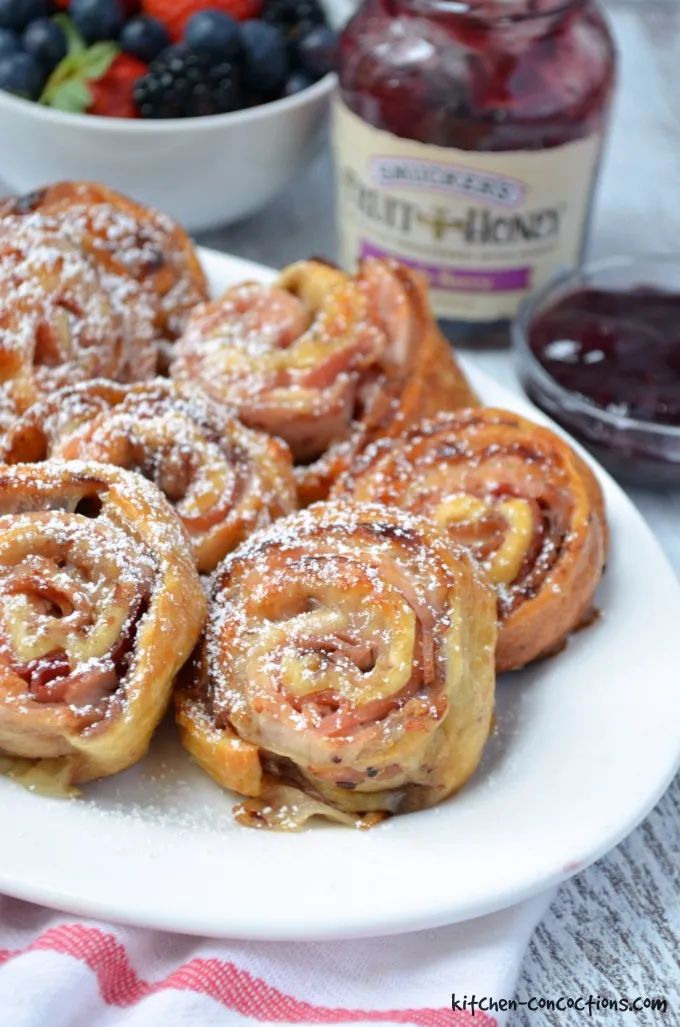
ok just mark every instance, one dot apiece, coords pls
pixel 128 240
pixel 326 361
pixel 520 497
pixel 224 480
pixel 60 322
pixel 348 655
pixel 100 606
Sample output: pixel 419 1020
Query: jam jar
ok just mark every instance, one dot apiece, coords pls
pixel 467 139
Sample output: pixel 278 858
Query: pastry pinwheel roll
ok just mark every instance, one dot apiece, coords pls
pixel 58 321
pixel 100 605
pixel 325 361
pixel 128 241
pixel 523 502
pixel 346 669
pixel 224 480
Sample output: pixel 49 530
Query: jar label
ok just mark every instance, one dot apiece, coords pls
pixel 484 228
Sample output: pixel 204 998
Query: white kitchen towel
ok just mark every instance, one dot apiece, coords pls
pixel 63 971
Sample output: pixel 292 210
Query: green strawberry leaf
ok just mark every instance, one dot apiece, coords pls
pixel 67 68
pixel 66 88
pixel 97 60
pixel 72 96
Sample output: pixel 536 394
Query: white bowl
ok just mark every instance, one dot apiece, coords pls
pixel 203 171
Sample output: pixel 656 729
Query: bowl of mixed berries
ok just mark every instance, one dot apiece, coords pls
pixel 205 108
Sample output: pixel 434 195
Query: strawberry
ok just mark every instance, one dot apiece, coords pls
pixel 96 79
pixel 112 93
pixel 174 14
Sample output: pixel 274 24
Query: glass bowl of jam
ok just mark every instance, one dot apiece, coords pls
pixel 599 350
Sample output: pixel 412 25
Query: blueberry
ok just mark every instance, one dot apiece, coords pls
pixel 45 40
pixel 9 42
pixel 214 33
pixel 289 13
pixel 16 14
pixel 144 37
pixel 97 19
pixel 315 52
pixel 21 74
pixel 296 82
pixel 265 57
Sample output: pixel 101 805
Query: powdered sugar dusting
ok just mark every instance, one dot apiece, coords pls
pixel 223 479
pixel 327 645
pixel 320 359
pixel 62 319
pixel 128 241
pixel 85 552
pixel 490 455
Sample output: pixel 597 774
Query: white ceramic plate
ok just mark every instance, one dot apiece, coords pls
pixel 586 744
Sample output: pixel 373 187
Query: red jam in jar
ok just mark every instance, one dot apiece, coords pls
pixel 467 139
pixel 620 350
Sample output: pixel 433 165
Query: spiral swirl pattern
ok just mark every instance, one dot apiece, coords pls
pixel 224 480
pixel 99 607
pixel 128 243
pixel 519 498
pixel 349 653
pixel 325 361
pixel 58 322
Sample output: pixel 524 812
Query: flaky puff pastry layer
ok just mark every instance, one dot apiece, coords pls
pixel 61 320
pixel 346 668
pixel 224 480
pixel 519 497
pixel 100 605
pixel 324 360
pixel 126 240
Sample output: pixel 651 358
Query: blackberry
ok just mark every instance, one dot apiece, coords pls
pixel 181 83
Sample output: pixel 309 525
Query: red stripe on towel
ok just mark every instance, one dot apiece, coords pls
pixel 233 987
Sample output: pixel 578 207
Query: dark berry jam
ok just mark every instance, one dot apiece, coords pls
pixel 486 75
pixel 620 350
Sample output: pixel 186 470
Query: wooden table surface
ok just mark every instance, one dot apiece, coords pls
pixel 615 928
